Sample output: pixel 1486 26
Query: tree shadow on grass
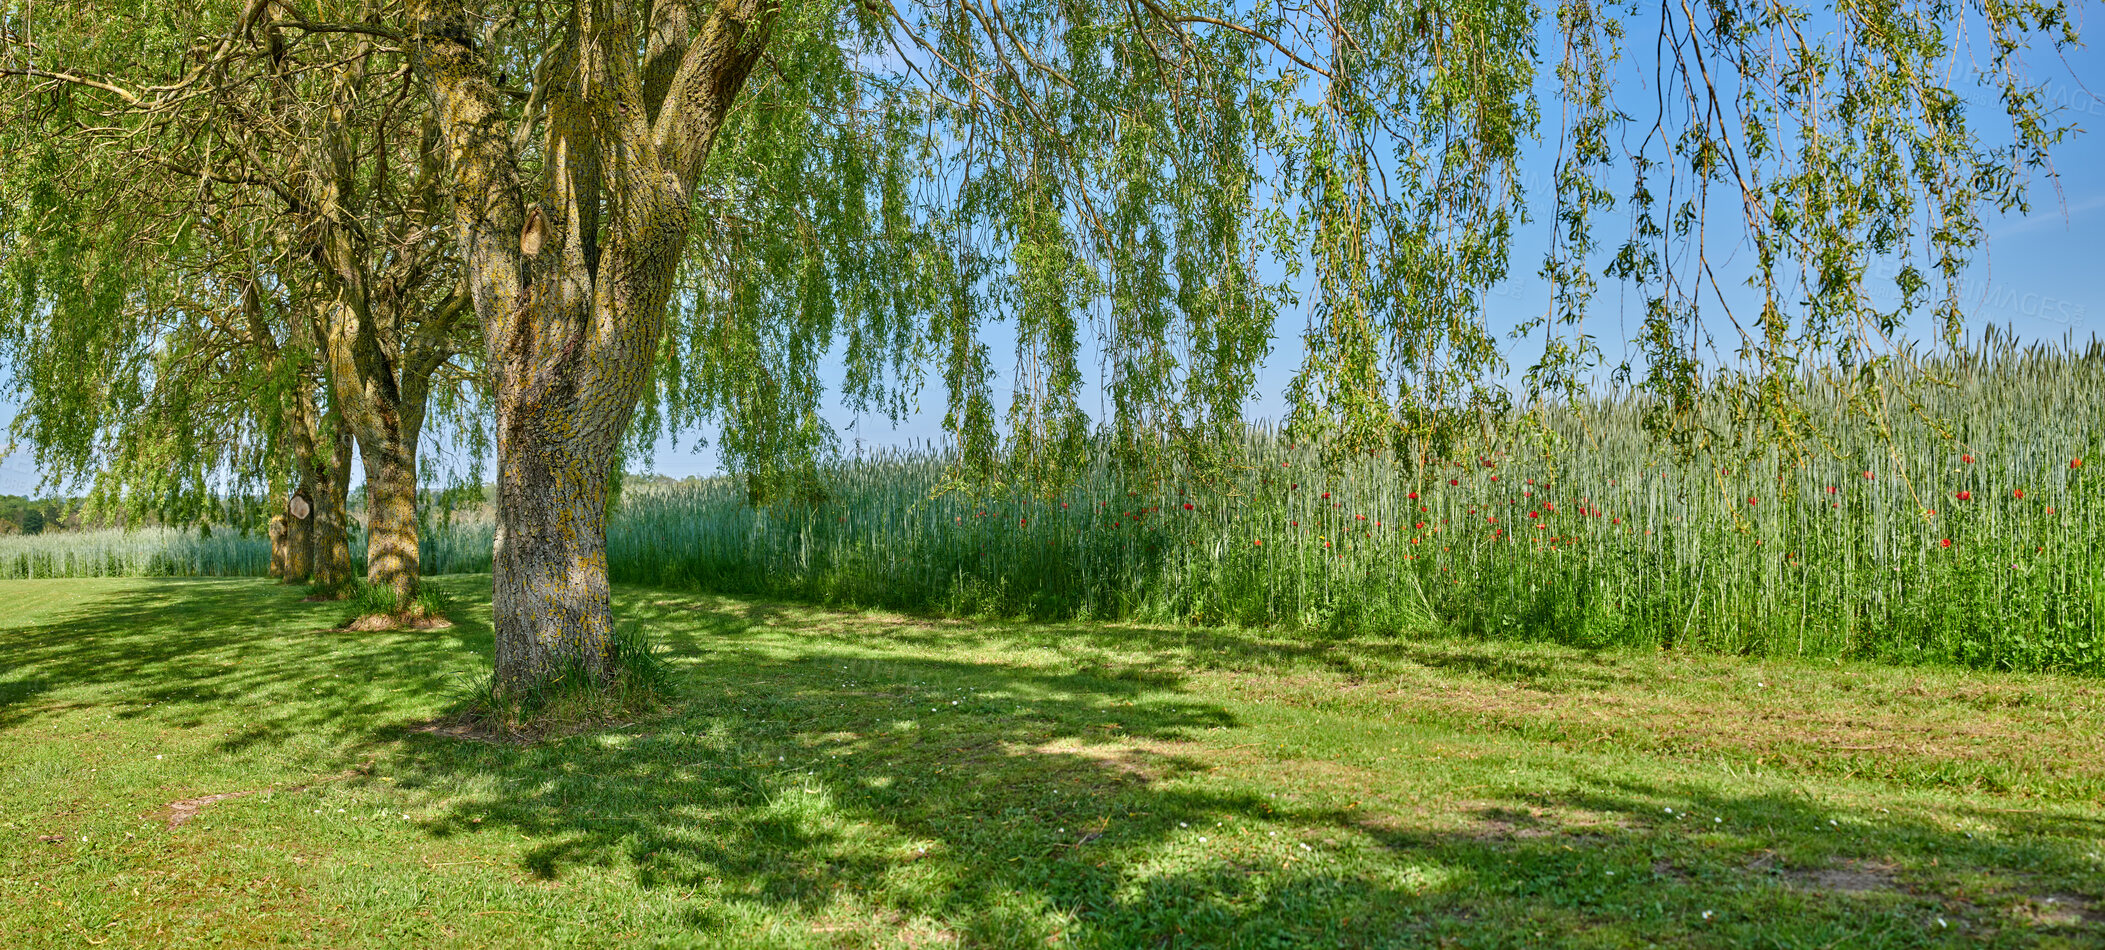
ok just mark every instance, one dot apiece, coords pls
pixel 823 790
pixel 859 797
pixel 180 651
pixel 1121 645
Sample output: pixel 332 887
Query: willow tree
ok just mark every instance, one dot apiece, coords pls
pixel 171 376
pixel 910 173
pixel 220 134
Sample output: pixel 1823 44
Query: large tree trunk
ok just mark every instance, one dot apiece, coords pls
pixel 391 560
pixel 385 413
pixel 549 595
pixel 571 288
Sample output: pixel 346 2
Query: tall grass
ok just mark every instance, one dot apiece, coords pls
pixel 145 552
pixel 1982 543
pixel 1966 531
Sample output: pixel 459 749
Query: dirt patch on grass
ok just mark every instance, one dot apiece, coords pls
pixel 1847 877
pixel 371 623
pixel 2059 910
pixel 472 729
pixel 182 811
pixel 1141 761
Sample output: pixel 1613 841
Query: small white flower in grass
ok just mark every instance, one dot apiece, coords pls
pixel 1718 820
pixel 1305 847
pixel 1941 923
pixel 157 757
pixel 1182 825
pixel 1706 915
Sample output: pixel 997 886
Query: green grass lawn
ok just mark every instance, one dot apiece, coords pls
pixel 855 780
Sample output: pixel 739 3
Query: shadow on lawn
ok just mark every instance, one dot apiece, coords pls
pixel 183 651
pixel 860 791
pixel 838 786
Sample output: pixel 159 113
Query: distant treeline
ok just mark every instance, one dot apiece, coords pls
pixel 21 515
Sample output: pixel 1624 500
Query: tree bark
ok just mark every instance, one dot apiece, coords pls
pixel 332 542
pixel 391 559
pixel 549 571
pixel 278 554
pixel 571 289
pixel 382 402
pixel 299 536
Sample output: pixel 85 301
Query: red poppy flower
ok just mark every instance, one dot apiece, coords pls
pixel 2075 463
pixel 2018 494
pixel 1534 514
pixel 1869 475
pixel 1360 517
pixel 1326 494
pixel 1968 458
pixel 1454 481
pixel 1413 496
pixel 1259 542
pixel 1294 485
pixel 1494 478
pixel 1751 500
pixel 1832 489
pixel 1947 542
pixel 1420 526
pixel 1295 523
pixel 1615 521
pixel 1964 496
pixel 1187 506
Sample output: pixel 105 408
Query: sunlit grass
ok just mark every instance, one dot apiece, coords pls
pixel 854 780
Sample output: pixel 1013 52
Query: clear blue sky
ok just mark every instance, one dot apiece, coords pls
pixel 2042 275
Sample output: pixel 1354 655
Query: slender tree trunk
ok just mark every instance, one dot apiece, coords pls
pixel 278 554
pixel 332 543
pixel 385 414
pixel 299 532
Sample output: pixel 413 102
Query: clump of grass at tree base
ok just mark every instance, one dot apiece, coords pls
pixel 363 601
pixel 572 698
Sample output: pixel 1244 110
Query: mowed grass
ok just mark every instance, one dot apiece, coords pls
pixel 830 779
